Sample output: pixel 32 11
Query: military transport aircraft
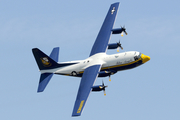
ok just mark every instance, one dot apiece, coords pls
pixel 98 64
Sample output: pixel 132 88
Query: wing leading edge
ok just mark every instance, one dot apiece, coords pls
pixel 103 37
pixel 89 76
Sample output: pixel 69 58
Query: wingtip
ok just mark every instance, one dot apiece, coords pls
pixel 39 91
pixel 116 3
pixel 75 115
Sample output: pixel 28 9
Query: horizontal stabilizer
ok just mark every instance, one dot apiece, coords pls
pixel 44 80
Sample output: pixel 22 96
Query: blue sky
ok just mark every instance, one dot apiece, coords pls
pixel 150 91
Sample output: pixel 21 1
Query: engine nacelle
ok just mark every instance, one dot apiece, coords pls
pixel 106 73
pixel 117 31
pixel 98 88
pixel 113 46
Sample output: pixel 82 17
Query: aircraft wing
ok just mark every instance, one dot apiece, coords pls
pixel 103 37
pixel 89 76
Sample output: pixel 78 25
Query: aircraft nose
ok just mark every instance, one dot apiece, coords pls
pixel 145 58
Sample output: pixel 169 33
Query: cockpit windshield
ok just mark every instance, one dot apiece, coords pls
pixel 137 57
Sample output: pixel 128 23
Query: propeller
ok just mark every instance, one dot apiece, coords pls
pixel 123 31
pixel 119 46
pixel 103 88
pixel 110 73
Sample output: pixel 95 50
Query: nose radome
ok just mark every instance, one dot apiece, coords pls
pixel 145 58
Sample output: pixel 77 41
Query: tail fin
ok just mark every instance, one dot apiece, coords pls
pixel 45 62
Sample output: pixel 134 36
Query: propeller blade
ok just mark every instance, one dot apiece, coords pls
pixel 102 83
pixel 121 47
pixel 118 49
pixel 125 32
pixel 104 92
pixel 109 78
pixel 122 34
pixel 104 87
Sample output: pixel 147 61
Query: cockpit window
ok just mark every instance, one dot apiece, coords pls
pixel 137 57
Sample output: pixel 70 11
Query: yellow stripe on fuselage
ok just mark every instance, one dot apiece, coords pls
pixel 118 65
pixel 121 64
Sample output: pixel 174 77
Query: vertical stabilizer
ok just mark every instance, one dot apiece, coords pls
pixel 45 62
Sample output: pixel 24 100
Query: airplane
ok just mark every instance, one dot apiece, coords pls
pixel 98 64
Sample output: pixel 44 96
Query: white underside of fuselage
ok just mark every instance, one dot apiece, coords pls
pixel 97 59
